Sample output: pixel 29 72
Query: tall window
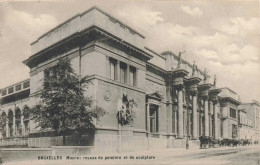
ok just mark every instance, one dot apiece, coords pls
pixel 132 78
pixel 112 69
pixel 234 131
pixel 154 119
pixel 123 75
pixel 233 113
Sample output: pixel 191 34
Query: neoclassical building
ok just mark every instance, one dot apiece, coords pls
pixel 176 100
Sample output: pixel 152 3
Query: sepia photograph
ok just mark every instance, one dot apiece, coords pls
pixel 172 82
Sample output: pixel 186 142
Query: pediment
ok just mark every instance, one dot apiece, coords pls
pixel 155 95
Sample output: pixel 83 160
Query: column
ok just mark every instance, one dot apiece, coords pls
pixel 127 75
pixel 180 113
pixel 210 125
pixel 7 127
pixel 107 67
pixel 169 109
pixel 185 122
pixel 118 70
pixel 14 124
pixel 210 119
pixel 22 123
pixel 206 116
pixel 148 117
pixel 194 117
pixel 215 119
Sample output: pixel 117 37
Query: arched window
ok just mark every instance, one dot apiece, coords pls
pixel 18 121
pixel 10 122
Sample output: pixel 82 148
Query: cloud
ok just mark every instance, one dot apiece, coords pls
pixel 210 54
pixel 238 25
pixel 22 23
pixel 18 30
pixel 230 51
pixel 138 15
pixel 192 11
pixel 227 44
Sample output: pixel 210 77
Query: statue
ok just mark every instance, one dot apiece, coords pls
pixel 125 114
pixel 194 67
pixel 205 75
pixel 215 80
pixel 179 59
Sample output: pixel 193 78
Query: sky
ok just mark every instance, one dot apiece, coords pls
pixel 222 36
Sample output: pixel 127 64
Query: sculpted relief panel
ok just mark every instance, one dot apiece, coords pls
pixel 154 87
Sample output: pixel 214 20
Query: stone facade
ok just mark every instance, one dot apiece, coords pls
pixel 249 121
pixel 176 100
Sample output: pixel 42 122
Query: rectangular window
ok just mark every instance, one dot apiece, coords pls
pixel 10 90
pixel 234 131
pixel 233 113
pixel 112 69
pixel 132 78
pixel 123 72
pixel 4 92
pixel 18 87
pixel 26 84
pixel 153 119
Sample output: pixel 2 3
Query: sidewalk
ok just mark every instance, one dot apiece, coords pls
pixel 155 156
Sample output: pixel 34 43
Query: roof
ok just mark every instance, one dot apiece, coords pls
pixel 93 17
pixel 229 89
pixel 80 14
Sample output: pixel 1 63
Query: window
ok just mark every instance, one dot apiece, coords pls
pixel 132 78
pixel 123 75
pixel 234 131
pixel 153 119
pixel 26 84
pixel 18 87
pixel 112 69
pixel 4 92
pixel 233 113
pixel 10 90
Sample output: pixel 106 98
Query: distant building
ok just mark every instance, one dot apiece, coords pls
pixel 249 122
pixel 175 99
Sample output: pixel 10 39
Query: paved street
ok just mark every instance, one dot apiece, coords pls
pixel 217 156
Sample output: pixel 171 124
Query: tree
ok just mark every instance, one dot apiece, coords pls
pixel 62 106
pixel 3 120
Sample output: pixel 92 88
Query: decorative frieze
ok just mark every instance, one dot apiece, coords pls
pixel 151 87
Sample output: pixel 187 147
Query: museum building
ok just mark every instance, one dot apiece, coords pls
pixel 175 99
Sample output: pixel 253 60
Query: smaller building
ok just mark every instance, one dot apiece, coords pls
pixel 249 121
pixel 246 126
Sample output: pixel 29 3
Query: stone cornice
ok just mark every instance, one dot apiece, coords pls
pixel 156 69
pixel 78 37
pixel 231 100
pixel 182 60
pixel 179 72
pixel 205 85
pixel 193 80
